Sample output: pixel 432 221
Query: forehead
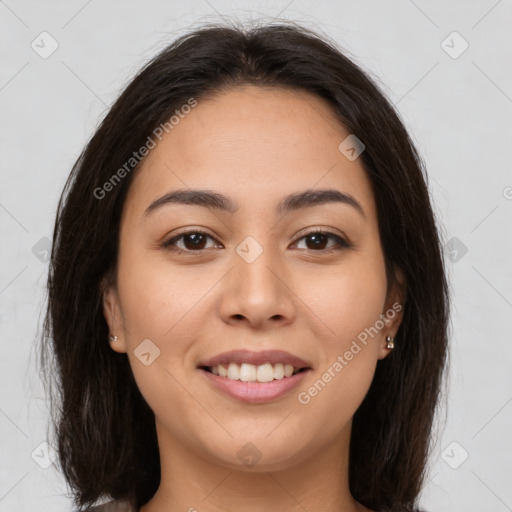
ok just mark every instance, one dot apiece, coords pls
pixel 254 144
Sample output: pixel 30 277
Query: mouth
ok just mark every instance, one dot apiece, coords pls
pixel 247 372
pixel 254 377
pixel 249 366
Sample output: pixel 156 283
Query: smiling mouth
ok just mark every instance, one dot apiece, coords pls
pixel 246 372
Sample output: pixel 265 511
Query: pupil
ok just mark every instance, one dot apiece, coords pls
pixel 318 239
pixel 197 239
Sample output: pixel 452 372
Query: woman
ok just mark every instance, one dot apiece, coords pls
pixel 247 299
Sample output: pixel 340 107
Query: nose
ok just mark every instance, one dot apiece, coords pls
pixel 257 294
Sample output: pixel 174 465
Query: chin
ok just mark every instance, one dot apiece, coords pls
pixel 259 454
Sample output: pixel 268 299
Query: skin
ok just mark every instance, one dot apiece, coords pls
pixel 256 146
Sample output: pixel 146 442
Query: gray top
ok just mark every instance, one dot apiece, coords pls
pixel 113 506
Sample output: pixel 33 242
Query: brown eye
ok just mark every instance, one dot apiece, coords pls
pixel 318 241
pixel 191 241
pixel 196 241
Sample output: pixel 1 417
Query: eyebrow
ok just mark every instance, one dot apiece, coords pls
pixel 293 202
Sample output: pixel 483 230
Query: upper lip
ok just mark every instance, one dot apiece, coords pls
pixel 255 358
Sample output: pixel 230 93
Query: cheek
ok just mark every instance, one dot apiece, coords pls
pixel 348 299
pixel 336 393
pixel 349 359
pixel 166 305
pixel 159 334
pixel 157 297
pixel 350 304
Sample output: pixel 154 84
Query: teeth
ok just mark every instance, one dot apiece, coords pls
pixel 278 371
pixel 233 371
pixel 247 372
pixel 264 373
pixel 251 373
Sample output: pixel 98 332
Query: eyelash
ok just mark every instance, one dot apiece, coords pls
pixel 341 243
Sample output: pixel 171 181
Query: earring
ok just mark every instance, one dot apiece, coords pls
pixel 391 342
pixel 112 338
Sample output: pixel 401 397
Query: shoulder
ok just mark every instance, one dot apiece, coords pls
pixel 113 506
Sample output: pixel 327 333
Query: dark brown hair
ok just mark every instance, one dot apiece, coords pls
pixel 105 431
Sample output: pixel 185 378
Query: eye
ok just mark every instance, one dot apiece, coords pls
pixel 196 241
pixel 319 239
pixel 192 241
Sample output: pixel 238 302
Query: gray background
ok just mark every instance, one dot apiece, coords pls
pixel 457 105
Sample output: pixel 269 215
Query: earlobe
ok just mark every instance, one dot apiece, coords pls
pixel 116 345
pixel 111 313
pixel 386 346
pixel 393 314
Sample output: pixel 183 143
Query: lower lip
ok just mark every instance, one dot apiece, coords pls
pixel 255 392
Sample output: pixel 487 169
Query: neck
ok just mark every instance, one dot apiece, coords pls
pixel 198 483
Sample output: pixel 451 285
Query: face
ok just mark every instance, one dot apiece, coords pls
pixel 289 277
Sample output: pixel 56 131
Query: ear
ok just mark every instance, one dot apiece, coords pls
pixel 112 314
pixel 393 313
